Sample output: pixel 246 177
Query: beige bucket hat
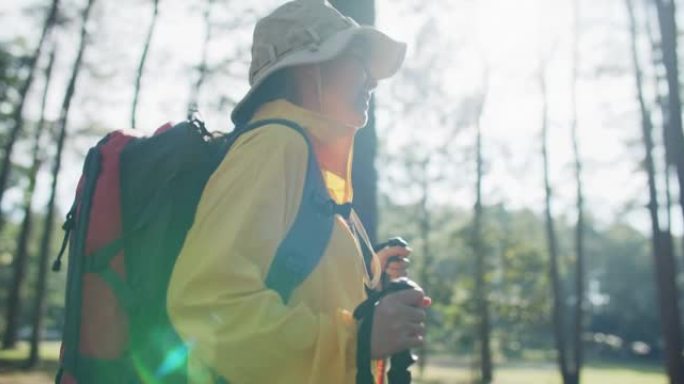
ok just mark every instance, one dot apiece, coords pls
pixel 312 31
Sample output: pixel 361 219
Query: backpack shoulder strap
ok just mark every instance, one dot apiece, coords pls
pixel 240 130
pixel 303 246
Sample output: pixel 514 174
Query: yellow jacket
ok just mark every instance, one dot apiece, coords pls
pixel 217 299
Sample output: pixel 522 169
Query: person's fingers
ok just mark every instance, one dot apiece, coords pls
pixel 412 314
pixel 411 297
pixel 398 269
pixel 395 273
pixel 414 341
pixel 415 329
pixel 386 253
pixel 401 263
pixel 397 251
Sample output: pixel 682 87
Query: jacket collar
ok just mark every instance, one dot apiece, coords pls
pixel 329 138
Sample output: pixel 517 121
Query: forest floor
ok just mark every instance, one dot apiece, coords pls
pixel 445 370
pixel 439 370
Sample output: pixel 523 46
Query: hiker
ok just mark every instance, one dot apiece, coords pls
pixel 316 68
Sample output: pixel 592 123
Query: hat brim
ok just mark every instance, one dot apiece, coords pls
pixel 385 56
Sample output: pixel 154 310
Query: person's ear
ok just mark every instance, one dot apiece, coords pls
pixel 302 75
pixel 306 72
pixel 309 82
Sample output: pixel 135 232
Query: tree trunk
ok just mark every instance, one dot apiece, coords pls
pixel 141 65
pixel 575 372
pixel 424 228
pixel 365 176
pixel 664 260
pixel 662 103
pixel 21 253
pixel 674 135
pixel 558 297
pixel 18 115
pixel 46 241
pixel 672 157
pixel 486 374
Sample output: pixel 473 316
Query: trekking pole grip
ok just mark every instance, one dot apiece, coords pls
pixel 400 362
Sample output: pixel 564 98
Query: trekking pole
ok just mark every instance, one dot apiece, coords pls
pixel 399 362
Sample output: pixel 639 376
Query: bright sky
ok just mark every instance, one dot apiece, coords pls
pixel 466 35
pixel 507 37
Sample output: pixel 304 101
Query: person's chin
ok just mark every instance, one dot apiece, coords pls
pixel 360 117
pixel 359 120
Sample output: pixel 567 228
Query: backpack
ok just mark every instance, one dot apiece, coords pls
pixel 134 205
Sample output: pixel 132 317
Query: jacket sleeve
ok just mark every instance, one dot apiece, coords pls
pixel 217 299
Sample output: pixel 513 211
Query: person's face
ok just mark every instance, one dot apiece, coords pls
pixel 346 88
